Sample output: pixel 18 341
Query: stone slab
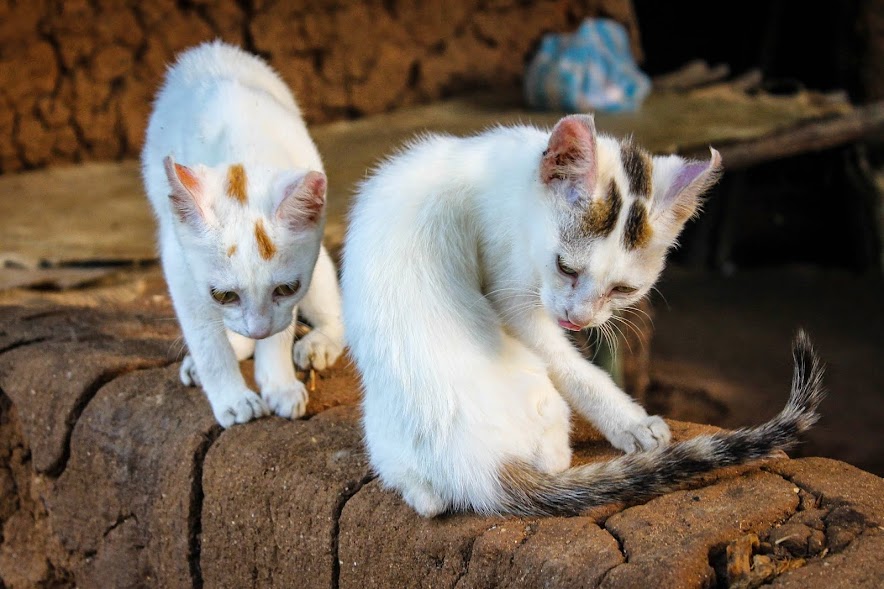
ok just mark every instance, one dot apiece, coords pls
pixel 151 493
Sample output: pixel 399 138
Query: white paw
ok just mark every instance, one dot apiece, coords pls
pixel 238 407
pixel 187 372
pixel 424 501
pixel 288 400
pixel 553 458
pixel 644 434
pixel 317 350
pixel 554 452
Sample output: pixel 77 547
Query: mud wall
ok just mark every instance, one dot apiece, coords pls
pixel 77 76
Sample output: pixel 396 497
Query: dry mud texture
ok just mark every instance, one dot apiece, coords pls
pixel 114 475
pixel 77 77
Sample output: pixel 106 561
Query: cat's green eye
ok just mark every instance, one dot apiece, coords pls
pixel 287 290
pixel 622 289
pixel 225 297
pixel 564 268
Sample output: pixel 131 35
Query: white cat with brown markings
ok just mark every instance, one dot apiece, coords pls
pixel 239 193
pixel 465 261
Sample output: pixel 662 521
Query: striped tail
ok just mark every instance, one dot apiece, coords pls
pixel 644 475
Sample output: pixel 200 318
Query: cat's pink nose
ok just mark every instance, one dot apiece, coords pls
pixel 259 333
pixel 258 328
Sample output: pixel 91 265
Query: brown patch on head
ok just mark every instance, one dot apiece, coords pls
pixel 638 168
pixel 601 217
pixel 637 231
pixel 236 183
pixel 231 250
pixel 266 247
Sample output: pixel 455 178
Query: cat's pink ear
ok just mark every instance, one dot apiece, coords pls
pixel 187 195
pixel 679 184
pixel 570 157
pixel 303 201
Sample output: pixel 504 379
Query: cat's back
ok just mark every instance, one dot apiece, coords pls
pixel 210 64
pixel 435 174
pixel 219 103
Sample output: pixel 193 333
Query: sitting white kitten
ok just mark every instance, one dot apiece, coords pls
pixel 463 261
pixel 239 192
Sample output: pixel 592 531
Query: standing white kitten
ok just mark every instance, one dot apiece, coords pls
pixel 238 190
pixel 464 261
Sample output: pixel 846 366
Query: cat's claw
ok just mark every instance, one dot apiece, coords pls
pixel 289 401
pixel 316 350
pixel 188 373
pixel 645 434
pixel 240 408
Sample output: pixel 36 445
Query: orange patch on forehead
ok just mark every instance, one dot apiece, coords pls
pixel 231 250
pixel 236 183
pixel 265 246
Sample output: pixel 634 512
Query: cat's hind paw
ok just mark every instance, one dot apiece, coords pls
pixel 188 373
pixel 424 501
pixel 644 434
pixel 289 401
pixel 239 408
pixel 317 350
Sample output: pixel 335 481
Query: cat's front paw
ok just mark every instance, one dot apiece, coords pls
pixel 288 400
pixel 239 407
pixel 317 350
pixel 644 434
pixel 188 373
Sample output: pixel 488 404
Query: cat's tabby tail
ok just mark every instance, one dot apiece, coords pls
pixel 643 475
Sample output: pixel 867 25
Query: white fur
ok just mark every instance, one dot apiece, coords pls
pixel 221 106
pixel 451 301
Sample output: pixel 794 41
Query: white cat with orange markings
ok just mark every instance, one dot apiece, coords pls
pixel 239 192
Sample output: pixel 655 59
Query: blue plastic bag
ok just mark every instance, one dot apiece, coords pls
pixel 592 69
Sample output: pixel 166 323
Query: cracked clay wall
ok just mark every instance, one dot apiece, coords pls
pixel 77 76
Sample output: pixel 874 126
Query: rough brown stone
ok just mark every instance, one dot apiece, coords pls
pixel 272 520
pixel 377 529
pixel 154 494
pixel 51 381
pixel 130 492
pixel 858 567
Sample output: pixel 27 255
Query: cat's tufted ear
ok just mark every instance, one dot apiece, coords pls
pixel 187 195
pixel 570 157
pixel 302 201
pixel 679 185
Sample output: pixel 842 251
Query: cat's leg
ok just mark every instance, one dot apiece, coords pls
pixel 283 392
pixel 588 388
pixel 421 497
pixel 321 306
pixel 211 361
pixel 243 347
pixel 554 450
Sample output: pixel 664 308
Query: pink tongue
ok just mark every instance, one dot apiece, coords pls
pixel 569 325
